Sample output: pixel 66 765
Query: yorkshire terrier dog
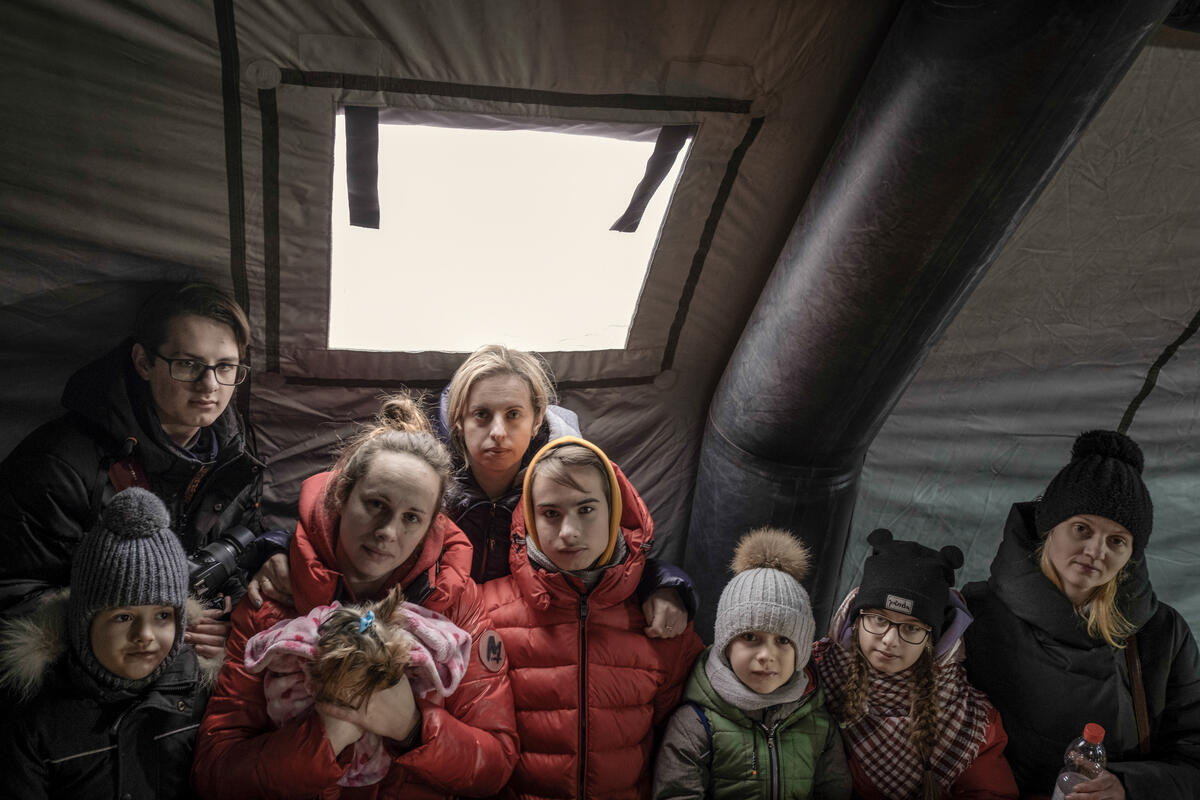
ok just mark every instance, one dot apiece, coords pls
pixel 344 654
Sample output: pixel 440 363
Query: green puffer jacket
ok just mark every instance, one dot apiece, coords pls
pixel 792 750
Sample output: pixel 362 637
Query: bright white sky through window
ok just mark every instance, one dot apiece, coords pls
pixel 492 236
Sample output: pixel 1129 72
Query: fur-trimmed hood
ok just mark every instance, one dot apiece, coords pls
pixel 31 646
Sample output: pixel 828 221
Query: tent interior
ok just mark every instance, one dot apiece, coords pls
pixel 907 251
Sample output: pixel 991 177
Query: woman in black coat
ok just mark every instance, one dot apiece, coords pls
pixel 1068 598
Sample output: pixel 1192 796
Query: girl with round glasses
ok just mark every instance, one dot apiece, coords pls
pixel 892 669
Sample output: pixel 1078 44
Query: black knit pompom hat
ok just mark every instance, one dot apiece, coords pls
pixel 1104 478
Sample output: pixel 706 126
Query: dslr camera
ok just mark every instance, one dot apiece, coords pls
pixel 211 567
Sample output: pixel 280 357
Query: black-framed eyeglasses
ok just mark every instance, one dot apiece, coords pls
pixel 190 370
pixel 878 625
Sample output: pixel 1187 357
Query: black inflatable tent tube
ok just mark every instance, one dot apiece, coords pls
pixel 967 112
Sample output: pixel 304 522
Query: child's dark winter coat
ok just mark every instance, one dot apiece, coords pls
pixel 76 740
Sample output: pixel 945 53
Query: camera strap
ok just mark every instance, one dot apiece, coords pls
pixel 120 470
pixel 126 473
pixel 194 484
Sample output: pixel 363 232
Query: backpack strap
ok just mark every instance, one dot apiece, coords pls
pixel 707 731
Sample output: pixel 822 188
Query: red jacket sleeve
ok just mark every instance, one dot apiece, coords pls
pixel 239 751
pixel 989 777
pixel 469 746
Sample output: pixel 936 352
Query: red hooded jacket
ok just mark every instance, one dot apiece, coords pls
pixel 592 690
pixel 468 746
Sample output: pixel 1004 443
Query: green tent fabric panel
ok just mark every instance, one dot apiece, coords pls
pixel 1058 338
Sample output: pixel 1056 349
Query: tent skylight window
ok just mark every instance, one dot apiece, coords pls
pixel 494 236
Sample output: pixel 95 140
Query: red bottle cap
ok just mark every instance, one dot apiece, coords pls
pixel 1093 733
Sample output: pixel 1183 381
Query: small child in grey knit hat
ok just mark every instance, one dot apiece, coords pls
pixel 113 679
pixel 754 722
pixel 129 588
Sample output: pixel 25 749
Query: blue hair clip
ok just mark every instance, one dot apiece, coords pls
pixel 365 621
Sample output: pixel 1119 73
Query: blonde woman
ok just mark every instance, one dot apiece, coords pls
pixel 1068 595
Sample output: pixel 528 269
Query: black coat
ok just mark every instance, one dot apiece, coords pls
pixel 485 521
pixel 1031 653
pixel 55 483
pixel 74 741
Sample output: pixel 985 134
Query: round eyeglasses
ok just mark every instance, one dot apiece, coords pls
pixel 878 625
pixel 190 370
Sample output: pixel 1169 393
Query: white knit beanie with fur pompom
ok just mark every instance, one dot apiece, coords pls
pixel 766 594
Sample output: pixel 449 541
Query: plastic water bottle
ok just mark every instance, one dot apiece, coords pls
pixel 1085 759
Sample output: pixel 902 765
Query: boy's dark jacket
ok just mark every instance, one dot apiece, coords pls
pixel 74 739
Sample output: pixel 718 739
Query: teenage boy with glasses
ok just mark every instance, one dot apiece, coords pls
pixel 155 412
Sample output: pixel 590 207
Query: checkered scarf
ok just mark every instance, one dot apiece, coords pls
pixel 879 739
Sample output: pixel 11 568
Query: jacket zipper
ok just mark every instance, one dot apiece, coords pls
pixel 583 705
pixel 480 558
pixel 773 759
pixel 774 753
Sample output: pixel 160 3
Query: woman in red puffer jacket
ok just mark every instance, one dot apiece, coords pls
pixel 370 524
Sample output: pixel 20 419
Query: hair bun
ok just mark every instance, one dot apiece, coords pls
pixel 135 514
pixel 772 548
pixel 402 412
pixel 1108 444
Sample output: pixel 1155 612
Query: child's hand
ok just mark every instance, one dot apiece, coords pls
pixel 391 713
pixel 665 615
pixel 207 634
pixel 272 580
pixel 339 729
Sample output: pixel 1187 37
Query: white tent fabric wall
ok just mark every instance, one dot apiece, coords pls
pixel 1099 279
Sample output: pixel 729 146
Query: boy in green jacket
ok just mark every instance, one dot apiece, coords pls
pixel 754 722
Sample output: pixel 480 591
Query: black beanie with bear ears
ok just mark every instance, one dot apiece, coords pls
pixel 1104 479
pixel 907 578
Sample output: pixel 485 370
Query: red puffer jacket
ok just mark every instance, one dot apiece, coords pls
pixel 592 691
pixel 469 746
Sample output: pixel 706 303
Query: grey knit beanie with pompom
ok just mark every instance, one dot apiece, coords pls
pixel 765 594
pixel 1104 479
pixel 132 558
